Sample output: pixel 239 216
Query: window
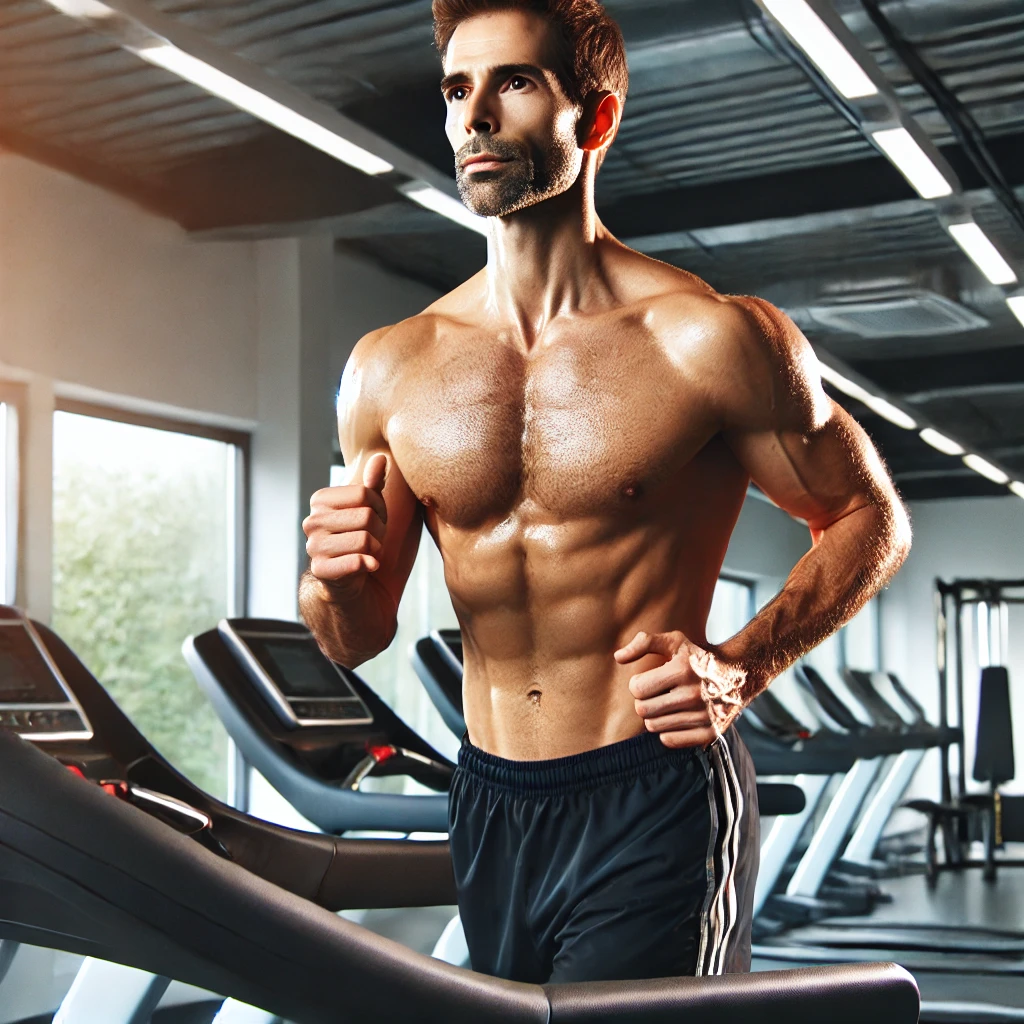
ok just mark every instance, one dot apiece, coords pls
pixel 144 554
pixel 6 590
pixel 732 608
pixel 10 401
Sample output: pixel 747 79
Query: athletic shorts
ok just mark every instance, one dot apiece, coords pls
pixel 629 861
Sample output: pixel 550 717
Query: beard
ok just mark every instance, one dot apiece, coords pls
pixel 529 177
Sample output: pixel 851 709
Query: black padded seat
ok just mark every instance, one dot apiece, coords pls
pixel 85 872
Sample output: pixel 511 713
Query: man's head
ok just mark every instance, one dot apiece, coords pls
pixel 532 83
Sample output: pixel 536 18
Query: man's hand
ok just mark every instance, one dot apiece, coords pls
pixel 345 531
pixel 692 698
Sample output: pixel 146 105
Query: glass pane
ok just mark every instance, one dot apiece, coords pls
pixel 5 597
pixel 142 557
pixel 425 606
pixel 730 610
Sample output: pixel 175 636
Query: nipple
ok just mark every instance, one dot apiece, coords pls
pixel 632 490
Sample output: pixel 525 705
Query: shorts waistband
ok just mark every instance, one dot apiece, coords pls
pixel 616 762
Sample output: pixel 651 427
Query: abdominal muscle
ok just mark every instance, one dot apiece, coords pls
pixel 543 607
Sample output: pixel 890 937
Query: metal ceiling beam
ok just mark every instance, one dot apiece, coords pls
pixel 153 36
pixel 649 222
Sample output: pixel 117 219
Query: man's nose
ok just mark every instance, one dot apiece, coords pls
pixel 479 115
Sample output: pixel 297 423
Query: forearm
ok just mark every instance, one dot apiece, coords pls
pixel 851 560
pixel 349 630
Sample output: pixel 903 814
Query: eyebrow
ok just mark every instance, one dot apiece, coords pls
pixel 501 71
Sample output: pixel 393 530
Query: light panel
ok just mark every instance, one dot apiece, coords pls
pixel 982 253
pixel 1016 304
pixel 434 199
pixel 986 469
pixel 88 9
pixel 944 444
pixel 877 404
pixel 913 162
pixel 817 40
pixel 890 412
pixel 1018 488
pixel 262 106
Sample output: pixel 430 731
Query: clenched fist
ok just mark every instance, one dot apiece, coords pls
pixel 345 530
pixel 692 698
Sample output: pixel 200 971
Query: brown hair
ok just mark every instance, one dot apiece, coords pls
pixel 593 54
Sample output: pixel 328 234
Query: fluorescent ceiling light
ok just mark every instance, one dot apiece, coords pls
pixel 944 444
pixel 913 162
pixel 262 106
pixel 983 254
pixel 841 383
pixel 816 39
pixel 1018 488
pixel 88 9
pixel 881 406
pixel 1016 304
pixel 986 469
pixel 431 198
pixel 890 412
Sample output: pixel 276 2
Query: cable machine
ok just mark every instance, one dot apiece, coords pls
pixel 985 604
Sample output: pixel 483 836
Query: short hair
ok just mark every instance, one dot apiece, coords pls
pixel 592 51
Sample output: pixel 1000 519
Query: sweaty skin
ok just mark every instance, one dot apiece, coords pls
pixel 577 426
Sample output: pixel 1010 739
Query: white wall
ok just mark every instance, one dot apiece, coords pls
pixel 100 294
pixel 102 301
pixel 367 297
pixel 975 537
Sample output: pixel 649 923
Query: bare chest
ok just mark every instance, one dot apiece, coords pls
pixel 577 429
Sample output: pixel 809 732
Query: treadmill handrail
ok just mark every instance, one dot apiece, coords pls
pixel 99 874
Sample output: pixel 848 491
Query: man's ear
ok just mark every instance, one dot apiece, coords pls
pixel 599 124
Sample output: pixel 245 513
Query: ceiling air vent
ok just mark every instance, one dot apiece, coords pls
pixel 902 314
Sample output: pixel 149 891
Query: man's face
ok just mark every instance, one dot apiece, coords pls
pixel 512 127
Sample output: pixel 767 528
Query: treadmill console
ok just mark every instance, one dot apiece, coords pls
pixel 35 700
pixel 291 673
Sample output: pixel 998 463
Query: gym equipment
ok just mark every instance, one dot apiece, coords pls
pixel 314 729
pixel 106 850
pixel 922 944
pixel 959 815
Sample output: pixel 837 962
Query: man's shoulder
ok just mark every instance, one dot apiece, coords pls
pixel 681 307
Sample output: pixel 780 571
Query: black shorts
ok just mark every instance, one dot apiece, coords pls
pixel 629 861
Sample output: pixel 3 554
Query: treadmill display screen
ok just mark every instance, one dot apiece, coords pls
pixel 299 668
pixel 25 678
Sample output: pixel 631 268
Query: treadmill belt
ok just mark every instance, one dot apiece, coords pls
pixel 770 956
pixel 926 938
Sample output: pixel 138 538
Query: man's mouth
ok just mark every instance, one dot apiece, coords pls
pixel 483 162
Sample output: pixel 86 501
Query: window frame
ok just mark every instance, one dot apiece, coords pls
pixel 242 442
pixel 14 395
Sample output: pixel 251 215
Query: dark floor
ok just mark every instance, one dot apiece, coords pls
pixel 956 987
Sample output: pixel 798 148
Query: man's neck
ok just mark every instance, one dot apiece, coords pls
pixel 545 262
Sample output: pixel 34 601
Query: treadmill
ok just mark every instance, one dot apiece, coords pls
pixel 947 959
pixel 107 851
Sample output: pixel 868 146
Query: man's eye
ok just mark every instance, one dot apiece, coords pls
pixel 458 93
pixel 517 82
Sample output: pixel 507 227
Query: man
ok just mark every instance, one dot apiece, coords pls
pixel 577 425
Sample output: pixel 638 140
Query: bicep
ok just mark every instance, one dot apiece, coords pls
pixel 804 451
pixel 817 474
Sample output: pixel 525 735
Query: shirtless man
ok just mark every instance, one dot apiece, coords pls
pixel 577 425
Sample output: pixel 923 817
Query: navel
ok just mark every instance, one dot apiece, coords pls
pixel 534 697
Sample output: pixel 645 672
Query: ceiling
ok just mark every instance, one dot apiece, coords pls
pixel 731 163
